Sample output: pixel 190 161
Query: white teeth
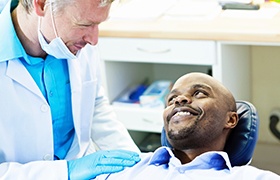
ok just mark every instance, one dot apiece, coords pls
pixel 182 113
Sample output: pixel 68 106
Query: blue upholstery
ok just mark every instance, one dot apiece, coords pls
pixel 243 138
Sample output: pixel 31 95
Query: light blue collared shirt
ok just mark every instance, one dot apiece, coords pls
pixel 52 78
pixel 163 165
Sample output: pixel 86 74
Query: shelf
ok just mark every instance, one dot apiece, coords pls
pixel 127 62
pixel 140 119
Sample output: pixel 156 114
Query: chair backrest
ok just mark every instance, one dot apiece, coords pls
pixel 242 141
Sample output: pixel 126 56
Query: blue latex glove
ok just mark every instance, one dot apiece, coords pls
pixel 101 162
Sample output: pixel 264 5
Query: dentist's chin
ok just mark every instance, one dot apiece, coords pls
pixel 75 49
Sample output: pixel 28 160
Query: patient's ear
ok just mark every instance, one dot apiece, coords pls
pixel 232 120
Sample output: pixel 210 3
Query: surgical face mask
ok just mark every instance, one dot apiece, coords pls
pixel 56 47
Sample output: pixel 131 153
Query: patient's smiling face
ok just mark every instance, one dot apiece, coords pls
pixel 196 111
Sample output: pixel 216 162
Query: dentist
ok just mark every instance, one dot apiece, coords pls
pixel 55 121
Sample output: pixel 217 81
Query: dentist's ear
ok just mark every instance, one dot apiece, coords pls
pixel 39 7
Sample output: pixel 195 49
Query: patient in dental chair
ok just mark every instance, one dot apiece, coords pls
pixel 199 116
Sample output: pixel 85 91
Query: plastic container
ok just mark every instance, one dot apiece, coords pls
pixel 154 96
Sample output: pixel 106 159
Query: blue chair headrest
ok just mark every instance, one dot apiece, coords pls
pixel 243 138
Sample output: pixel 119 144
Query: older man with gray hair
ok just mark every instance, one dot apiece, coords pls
pixel 53 112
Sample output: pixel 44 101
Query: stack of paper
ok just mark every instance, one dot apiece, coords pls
pixel 262 13
pixel 141 9
pixel 194 9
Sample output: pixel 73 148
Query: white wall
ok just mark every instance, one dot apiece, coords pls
pixel 266 86
pixel 266 97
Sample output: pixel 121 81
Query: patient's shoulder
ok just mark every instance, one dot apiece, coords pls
pixel 252 172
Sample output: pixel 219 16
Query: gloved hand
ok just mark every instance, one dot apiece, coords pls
pixel 101 162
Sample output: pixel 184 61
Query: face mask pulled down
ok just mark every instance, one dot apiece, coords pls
pixel 56 47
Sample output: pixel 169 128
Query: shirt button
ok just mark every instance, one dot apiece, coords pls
pixel 44 108
pixel 181 171
pixel 47 157
pixel 51 93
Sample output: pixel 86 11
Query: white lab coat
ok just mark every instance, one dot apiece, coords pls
pixel 3 4
pixel 26 137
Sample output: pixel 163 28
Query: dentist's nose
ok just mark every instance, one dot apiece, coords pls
pixel 92 36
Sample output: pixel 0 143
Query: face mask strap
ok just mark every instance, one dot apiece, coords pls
pixel 39 23
pixel 51 9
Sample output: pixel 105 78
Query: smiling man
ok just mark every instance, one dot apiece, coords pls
pixel 199 115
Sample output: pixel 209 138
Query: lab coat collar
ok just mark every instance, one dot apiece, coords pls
pixel 8 38
pixel 17 72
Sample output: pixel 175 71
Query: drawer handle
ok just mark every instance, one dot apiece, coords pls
pixel 154 51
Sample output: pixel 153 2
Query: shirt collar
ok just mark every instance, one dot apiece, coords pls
pixel 8 37
pixel 161 155
pixel 213 159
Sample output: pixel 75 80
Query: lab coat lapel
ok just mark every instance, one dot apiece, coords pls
pixel 17 72
pixel 76 87
pixel 83 89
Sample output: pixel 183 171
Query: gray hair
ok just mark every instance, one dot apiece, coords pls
pixel 57 4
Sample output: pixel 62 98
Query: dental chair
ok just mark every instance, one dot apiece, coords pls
pixel 243 138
